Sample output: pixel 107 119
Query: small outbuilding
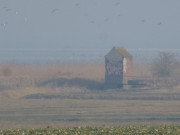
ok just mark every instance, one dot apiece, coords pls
pixel 118 65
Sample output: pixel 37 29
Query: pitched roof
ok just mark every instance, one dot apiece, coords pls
pixel 117 54
pixel 123 51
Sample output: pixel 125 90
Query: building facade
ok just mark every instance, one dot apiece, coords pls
pixel 118 65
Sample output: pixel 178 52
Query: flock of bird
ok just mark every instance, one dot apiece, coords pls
pixel 6 9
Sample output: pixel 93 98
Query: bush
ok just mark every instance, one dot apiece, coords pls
pixel 164 70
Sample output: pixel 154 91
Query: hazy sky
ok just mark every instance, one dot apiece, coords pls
pixel 89 23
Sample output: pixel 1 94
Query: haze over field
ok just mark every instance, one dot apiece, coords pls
pixel 39 29
pixel 53 73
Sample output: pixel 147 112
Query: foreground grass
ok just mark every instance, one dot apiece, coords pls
pixel 29 113
pixel 127 130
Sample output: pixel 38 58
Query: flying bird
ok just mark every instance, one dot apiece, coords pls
pixel 106 20
pixel 4 24
pixel 77 4
pixel 117 3
pixel 7 9
pixel 92 21
pixel 16 12
pixel 4 7
pixel 119 14
pixel 54 10
pixel 159 23
pixel 143 20
pixel 25 19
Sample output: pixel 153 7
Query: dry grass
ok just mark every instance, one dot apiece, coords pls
pixel 67 70
pixel 17 81
pixel 141 69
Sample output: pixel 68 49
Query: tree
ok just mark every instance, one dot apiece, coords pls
pixel 164 68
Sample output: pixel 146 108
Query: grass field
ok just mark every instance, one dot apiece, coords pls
pixel 72 95
pixel 65 112
pixel 128 130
